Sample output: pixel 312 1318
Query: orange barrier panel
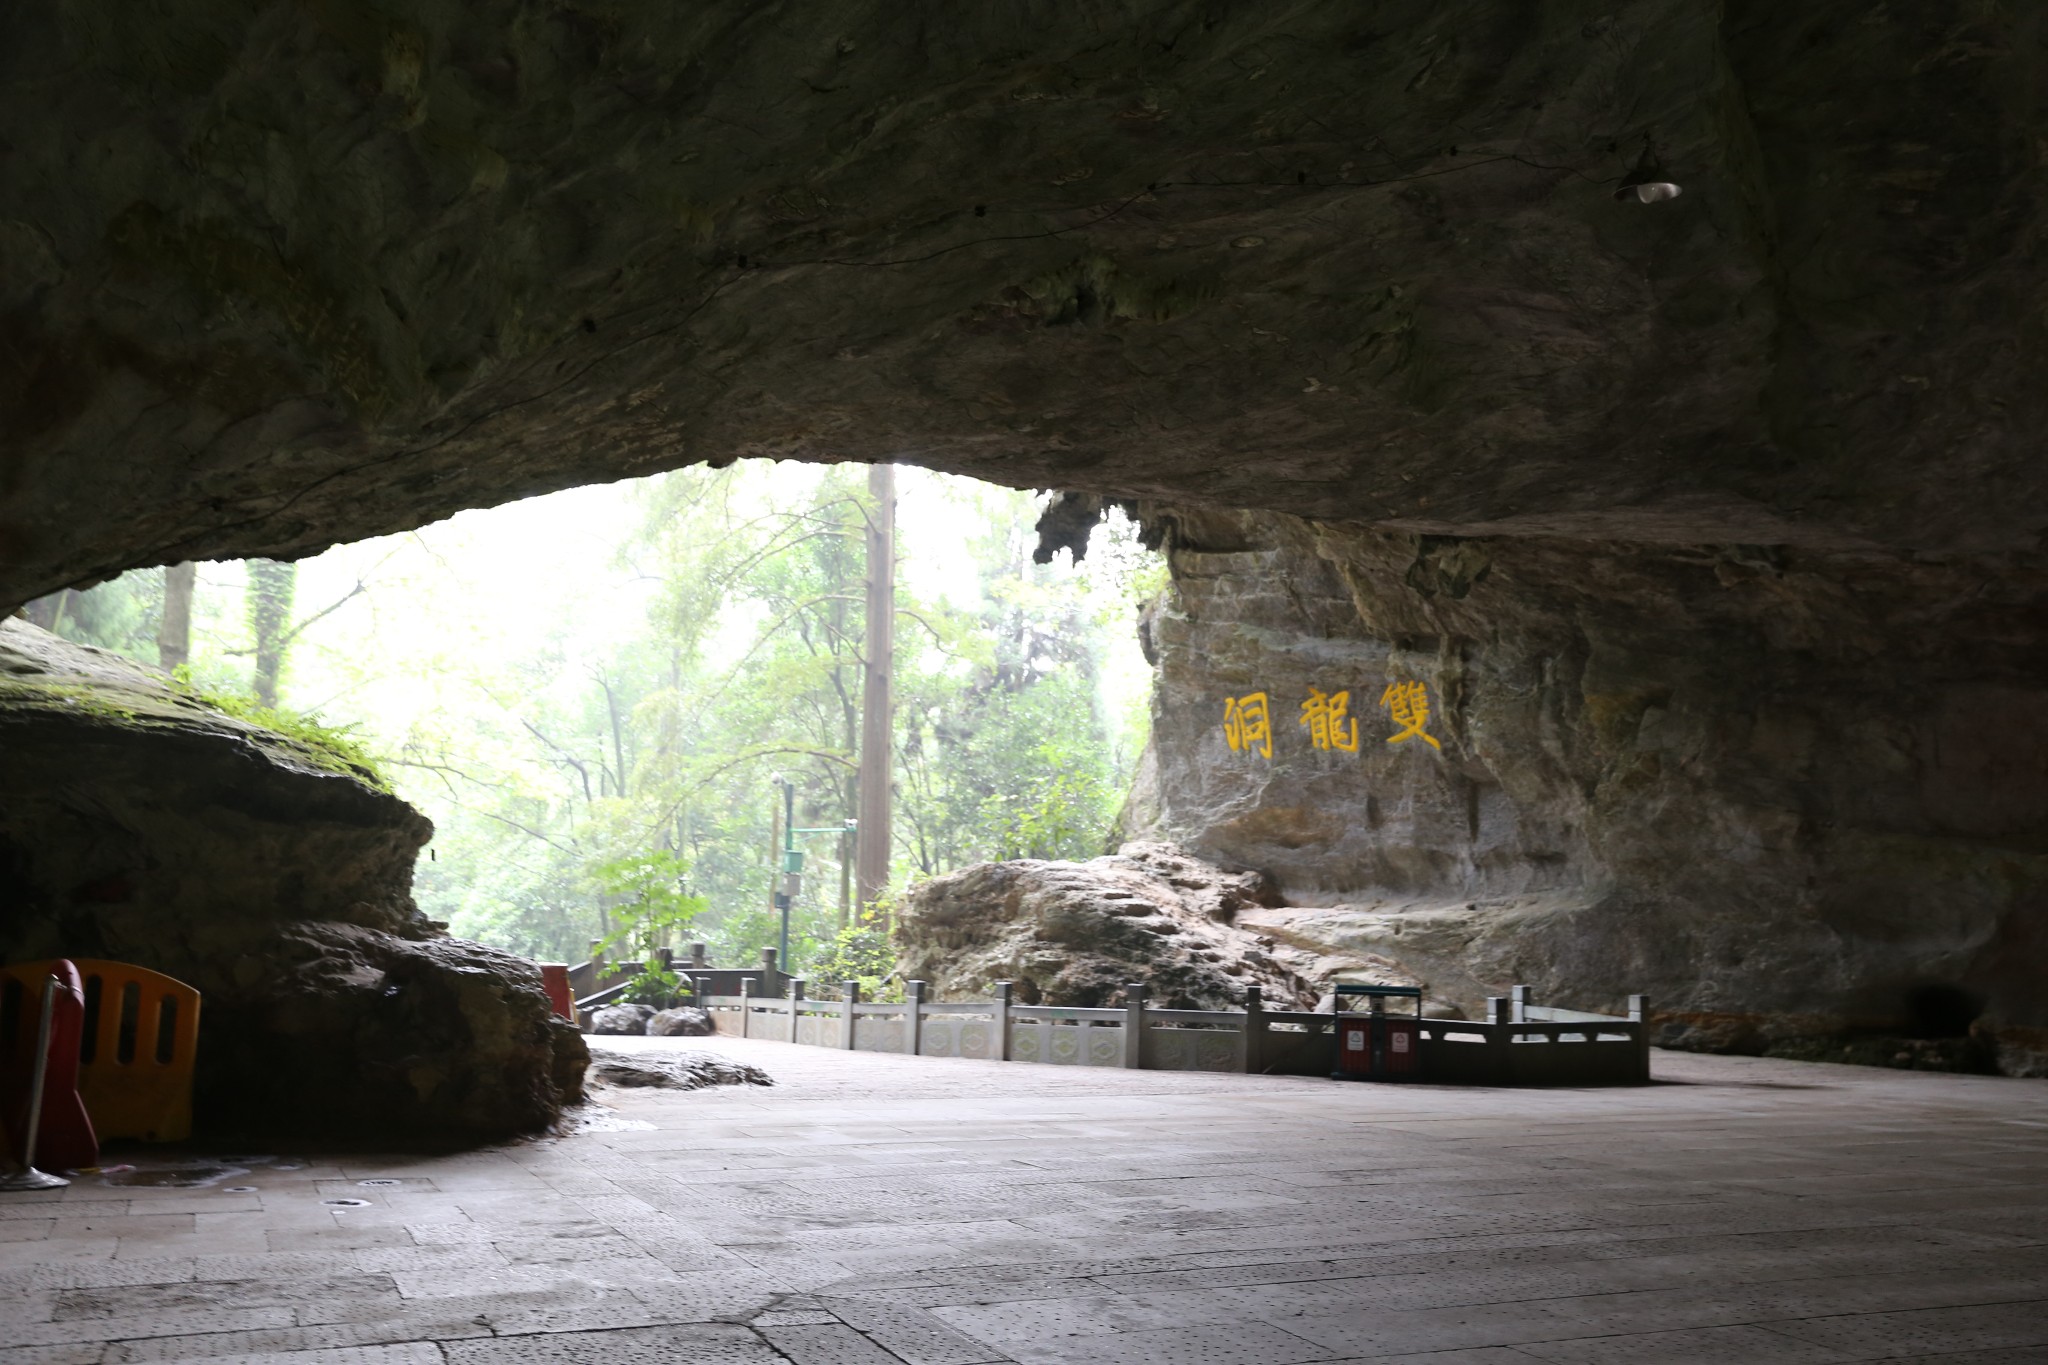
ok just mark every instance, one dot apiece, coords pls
pixel 135 1060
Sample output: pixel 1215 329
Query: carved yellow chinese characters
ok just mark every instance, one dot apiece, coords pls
pixel 1247 723
pixel 1325 716
pixel 1408 704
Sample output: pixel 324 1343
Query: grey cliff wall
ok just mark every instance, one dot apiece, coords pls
pixel 1786 794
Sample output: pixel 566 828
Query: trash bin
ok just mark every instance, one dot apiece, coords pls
pixel 1376 1045
pixel 555 977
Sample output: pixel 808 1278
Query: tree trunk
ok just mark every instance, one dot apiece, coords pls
pixel 174 630
pixel 271 585
pixel 48 612
pixel 871 842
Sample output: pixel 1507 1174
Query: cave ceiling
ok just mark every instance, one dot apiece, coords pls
pixel 275 275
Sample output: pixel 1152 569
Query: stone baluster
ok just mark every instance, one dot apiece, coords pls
pixel 913 1017
pixel 1254 1029
pixel 1134 1023
pixel 1501 1038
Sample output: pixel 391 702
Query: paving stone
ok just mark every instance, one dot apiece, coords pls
pixel 80 1353
pixel 825 1344
pixel 1119 1216
pixel 792 1317
pixel 142 1300
pixel 1393 1332
pixel 459 1256
pixel 178 1322
pixel 694 1344
pixel 1245 1343
pixel 914 1335
pixel 407 1353
pixel 1976 1327
pixel 1481 1355
pixel 1695 1346
pixel 27 1205
pixel 283 1340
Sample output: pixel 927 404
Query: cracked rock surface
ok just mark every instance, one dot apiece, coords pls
pixel 1076 933
pixel 274 275
pixel 1790 795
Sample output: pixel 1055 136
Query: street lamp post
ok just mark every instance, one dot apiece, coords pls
pixel 793 861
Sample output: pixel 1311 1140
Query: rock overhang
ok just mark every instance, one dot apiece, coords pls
pixel 277 276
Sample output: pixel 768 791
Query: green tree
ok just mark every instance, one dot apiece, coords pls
pixel 272 584
pixel 592 695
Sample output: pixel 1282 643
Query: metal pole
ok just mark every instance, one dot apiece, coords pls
pixel 29 1178
pixel 788 847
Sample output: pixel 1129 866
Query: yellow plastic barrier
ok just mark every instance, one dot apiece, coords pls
pixel 141 1035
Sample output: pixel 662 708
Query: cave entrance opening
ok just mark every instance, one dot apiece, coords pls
pixel 594 695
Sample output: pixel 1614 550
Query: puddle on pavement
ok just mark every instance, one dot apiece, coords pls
pixel 596 1118
pixel 189 1174
pixel 171 1177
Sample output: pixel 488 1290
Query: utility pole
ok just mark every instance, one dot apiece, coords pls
pixel 174 631
pixel 790 863
pixel 871 836
pixel 775 839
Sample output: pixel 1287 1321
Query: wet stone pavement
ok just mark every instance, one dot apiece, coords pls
pixel 874 1209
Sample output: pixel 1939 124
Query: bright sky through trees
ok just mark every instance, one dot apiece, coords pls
pixel 590 692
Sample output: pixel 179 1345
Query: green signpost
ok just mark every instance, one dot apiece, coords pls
pixel 793 862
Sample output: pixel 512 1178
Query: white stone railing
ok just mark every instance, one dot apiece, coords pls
pixel 1518 1044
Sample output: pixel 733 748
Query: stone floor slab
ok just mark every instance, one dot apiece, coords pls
pixel 943 1212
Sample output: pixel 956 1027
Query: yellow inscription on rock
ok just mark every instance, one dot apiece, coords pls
pixel 1326 715
pixel 1247 723
pixel 1408 704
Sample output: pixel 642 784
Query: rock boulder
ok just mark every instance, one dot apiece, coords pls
pixel 671 1070
pixel 617 1019
pixel 140 825
pixel 684 1021
pixel 1076 933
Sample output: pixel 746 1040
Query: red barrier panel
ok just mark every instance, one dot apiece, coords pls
pixel 555 976
pixel 66 1140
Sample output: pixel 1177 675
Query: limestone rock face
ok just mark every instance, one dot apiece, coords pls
pixel 275 275
pixel 1786 794
pixel 1712 528
pixel 1077 933
pixel 141 826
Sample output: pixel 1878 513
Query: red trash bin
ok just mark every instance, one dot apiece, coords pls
pixel 1377 1046
pixel 65 1139
pixel 555 976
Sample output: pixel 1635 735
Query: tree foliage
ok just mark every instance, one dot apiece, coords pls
pixel 595 694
